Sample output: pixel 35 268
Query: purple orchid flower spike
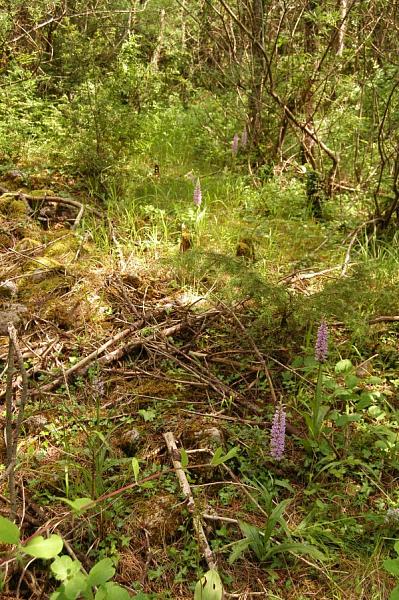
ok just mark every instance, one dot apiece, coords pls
pixel 277 438
pixel 321 347
pixel 197 197
pixel 244 137
pixel 234 144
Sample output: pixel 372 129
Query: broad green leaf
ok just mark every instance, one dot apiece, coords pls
pixel 343 420
pixel 351 381
pixel 238 548
pixel 218 457
pixel 9 532
pixel 343 366
pixel 40 547
pixel 275 517
pixel 394 595
pixel 183 458
pixel 101 572
pixel 255 538
pixel 74 587
pixel 295 548
pixel 112 591
pixel 148 415
pixel 396 546
pixel 136 468
pixel 79 504
pixel 209 587
pixel 392 566
pixel 63 567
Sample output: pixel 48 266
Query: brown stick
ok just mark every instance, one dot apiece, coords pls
pixel 185 487
pixel 83 365
pixel 12 435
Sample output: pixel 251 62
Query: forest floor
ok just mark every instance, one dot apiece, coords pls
pixel 126 355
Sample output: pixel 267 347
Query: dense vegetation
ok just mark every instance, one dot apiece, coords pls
pixel 199 253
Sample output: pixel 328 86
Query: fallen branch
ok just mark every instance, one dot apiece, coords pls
pixel 185 487
pixel 12 432
pixel 83 365
pixel 372 321
pixel 56 199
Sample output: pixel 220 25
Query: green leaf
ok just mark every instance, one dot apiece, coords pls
pixel 74 587
pixel 275 517
pixel 136 468
pixel 183 458
pixel 101 572
pixel 238 548
pixel 255 538
pixel 295 548
pixel 343 366
pixel 39 547
pixel 148 415
pixel 63 567
pixel 218 457
pixel 351 381
pixel 392 566
pixel 396 546
pixel 209 587
pixel 78 505
pixel 343 420
pixel 9 532
pixel 112 591
pixel 394 595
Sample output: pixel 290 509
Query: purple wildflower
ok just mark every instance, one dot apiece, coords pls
pixel 277 438
pixel 392 515
pixel 234 144
pixel 244 137
pixel 197 197
pixel 321 348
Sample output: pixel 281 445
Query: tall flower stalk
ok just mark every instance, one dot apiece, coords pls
pixel 244 137
pixel 235 144
pixel 197 196
pixel 319 410
pixel 277 437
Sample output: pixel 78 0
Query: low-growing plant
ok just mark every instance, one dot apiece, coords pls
pixel 392 566
pixel 75 581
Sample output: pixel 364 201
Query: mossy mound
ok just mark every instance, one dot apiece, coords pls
pixel 27 243
pixel 13 207
pixel 46 288
pixel 41 193
pixel 18 209
pixel 64 249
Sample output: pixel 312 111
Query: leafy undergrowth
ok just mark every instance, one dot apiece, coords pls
pixel 201 344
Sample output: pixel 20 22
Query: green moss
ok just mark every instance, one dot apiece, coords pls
pixel 65 248
pixel 41 193
pixel 29 289
pixel 17 208
pixel 4 203
pixel 27 244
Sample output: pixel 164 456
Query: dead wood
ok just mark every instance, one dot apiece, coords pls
pixel 13 426
pixel 98 355
pixel 185 487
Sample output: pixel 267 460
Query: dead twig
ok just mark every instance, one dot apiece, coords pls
pixel 12 433
pixel 185 487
